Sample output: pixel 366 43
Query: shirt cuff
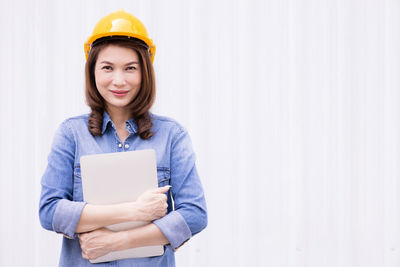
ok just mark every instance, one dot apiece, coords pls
pixel 66 217
pixel 174 228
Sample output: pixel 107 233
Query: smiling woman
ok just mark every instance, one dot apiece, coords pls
pixel 115 78
pixel 120 91
pixel 118 76
pixel 118 66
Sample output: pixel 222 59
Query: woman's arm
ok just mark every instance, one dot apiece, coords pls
pixel 148 235
pixel 57 210
pixel 190 214
pixel 189 217
pixel 102 241
pixel 150 206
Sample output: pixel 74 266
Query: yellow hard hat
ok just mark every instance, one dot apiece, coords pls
pixel 120 23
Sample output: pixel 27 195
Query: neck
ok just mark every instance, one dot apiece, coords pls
pixel 118 115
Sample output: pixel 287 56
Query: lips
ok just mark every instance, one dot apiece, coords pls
pixel 119 93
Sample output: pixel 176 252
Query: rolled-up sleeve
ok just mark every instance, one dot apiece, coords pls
pixel 190 214
pixel 57 211
pixel 66 217
pixel 174 228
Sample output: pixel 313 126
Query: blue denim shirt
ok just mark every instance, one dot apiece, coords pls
pixel 61 201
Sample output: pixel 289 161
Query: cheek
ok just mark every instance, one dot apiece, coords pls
pixel 136 80
pixel 102 79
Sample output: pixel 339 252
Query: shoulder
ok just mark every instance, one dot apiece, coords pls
pixel 166 124
pixel 77 123
pixel 176 134
pixel 77 119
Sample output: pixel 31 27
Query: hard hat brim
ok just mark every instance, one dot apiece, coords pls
pixel 149 42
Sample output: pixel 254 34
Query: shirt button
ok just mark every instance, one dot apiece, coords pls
pixel 126 146
pixel 119 145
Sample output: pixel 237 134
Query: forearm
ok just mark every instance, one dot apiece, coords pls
pixel 97 216
pixel 151 205
pixel 147 235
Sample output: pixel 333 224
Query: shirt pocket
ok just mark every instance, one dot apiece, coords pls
pixel 77 194
pixel 164 178
pixel 163 175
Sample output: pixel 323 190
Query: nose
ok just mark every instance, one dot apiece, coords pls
pixel 118 79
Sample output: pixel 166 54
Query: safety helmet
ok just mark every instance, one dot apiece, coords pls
pixel 120 23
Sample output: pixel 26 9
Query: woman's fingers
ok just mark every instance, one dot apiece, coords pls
pixel 97 243
pixel 153 203
pixel 162 190
pixel 84 255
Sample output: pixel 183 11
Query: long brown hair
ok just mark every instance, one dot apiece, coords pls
pixel 140 105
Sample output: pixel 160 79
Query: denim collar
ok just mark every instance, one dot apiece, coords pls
pixel 107 120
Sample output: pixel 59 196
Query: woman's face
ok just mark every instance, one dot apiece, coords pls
pixel 118 75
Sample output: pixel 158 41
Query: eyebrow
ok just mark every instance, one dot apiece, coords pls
pixel 129 63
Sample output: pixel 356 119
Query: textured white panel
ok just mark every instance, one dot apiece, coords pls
pixel 293 108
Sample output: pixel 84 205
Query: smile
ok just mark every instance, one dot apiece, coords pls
pixel 119 93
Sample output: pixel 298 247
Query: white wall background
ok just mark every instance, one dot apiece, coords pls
pixel 293 107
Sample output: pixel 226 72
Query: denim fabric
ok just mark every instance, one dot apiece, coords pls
pixel 61 201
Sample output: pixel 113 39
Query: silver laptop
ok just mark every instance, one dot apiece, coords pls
pixel 120 177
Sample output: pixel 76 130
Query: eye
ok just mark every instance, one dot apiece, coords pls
pixel 131 68
pixel 106 68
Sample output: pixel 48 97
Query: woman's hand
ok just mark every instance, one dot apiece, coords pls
pixel 148 207
pixel 152 204
pixel 98 243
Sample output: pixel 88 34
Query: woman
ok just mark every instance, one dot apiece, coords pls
pixel 120 89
